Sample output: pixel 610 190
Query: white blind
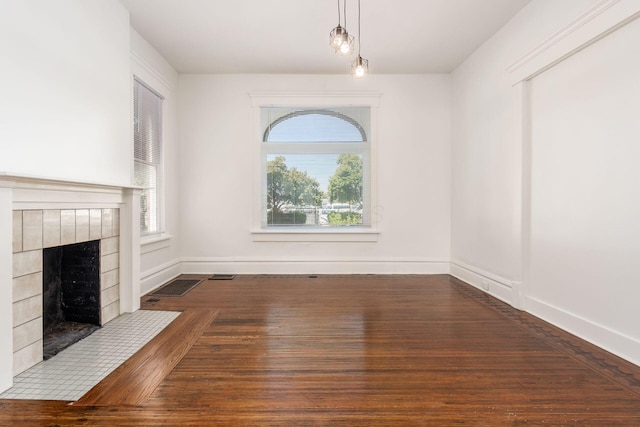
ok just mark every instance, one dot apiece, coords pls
pixel 147 153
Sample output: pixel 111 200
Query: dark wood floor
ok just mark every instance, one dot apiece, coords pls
pixel 351 350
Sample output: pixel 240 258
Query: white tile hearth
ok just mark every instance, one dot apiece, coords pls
pixel 74 371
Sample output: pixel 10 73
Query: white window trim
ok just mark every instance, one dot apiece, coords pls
pixel 310 234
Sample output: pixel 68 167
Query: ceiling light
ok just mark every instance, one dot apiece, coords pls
pixel 359 67
pixel 339 37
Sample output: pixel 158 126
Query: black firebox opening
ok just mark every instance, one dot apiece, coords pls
pixel 71 294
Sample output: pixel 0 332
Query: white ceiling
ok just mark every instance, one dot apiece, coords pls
pixel 291 36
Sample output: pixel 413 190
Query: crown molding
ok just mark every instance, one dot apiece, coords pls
pixel 145 65
pixel 602 18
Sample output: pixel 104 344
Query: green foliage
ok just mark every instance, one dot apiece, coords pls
pixel 289 186
pixel 280 218
pixel 345 185
pixel 302 189
pixel 344 218
pixel 276 182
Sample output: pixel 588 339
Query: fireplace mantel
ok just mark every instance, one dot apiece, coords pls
pixel 19 192
pixel 34 192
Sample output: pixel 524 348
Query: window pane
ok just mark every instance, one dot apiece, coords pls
pixel 147 155
pixel 314 189
pixel 287 125
pixel 147 129
pixel 146 176
pixel 316 166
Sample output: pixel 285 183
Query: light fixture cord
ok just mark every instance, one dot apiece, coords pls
pixel 339 21
pixel 344 7
pixel 359 37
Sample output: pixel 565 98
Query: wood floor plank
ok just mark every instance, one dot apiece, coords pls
pixel 346 350
pixel 138 377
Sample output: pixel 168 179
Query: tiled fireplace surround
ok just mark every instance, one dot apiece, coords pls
pixel 38 213
pixel 34 230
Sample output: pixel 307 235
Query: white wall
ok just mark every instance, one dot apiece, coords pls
pixel 576 269
pixel 65 110
pixel 217 173
pixel 486 164
pixel 160 258
pixel 585 233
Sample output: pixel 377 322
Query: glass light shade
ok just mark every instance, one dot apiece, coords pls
pixel 360 67
pixel 338 36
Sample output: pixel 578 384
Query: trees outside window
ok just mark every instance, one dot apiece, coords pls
pixel 289 187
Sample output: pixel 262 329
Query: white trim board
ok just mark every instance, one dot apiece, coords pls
pixel 615 342
pixel 602 18
pixel 319 99
pixel 152 279
pixel 143 64
pixel 314 266
pixel 504 289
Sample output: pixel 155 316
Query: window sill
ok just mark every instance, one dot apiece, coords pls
pixel 315 235
pixel 154 243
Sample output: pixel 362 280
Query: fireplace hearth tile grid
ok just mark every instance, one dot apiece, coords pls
pixel 76 370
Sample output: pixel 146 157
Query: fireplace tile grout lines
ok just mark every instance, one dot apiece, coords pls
pixel 74 371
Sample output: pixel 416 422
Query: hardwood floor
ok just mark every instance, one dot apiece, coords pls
pixel 351 350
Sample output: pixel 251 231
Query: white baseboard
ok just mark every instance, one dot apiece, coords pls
pixel 614 342
pixel 154 278
pixel 492 284
pixel 315 266
pixel 508 291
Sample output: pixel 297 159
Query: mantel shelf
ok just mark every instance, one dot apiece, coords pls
pixel 34 180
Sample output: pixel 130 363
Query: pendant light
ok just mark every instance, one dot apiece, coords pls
pixel 339 37
pixel 359 67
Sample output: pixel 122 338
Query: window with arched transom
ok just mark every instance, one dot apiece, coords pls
pixel 315 166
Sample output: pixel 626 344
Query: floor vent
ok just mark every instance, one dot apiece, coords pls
pixel 176 288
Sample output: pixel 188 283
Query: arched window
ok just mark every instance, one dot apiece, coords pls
pixel 316 166
pixel 315 126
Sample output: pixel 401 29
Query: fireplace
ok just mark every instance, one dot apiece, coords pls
pixel 81 241
pixel 37 213
pixel 70 294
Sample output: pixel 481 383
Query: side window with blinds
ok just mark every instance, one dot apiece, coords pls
pixel 147 155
